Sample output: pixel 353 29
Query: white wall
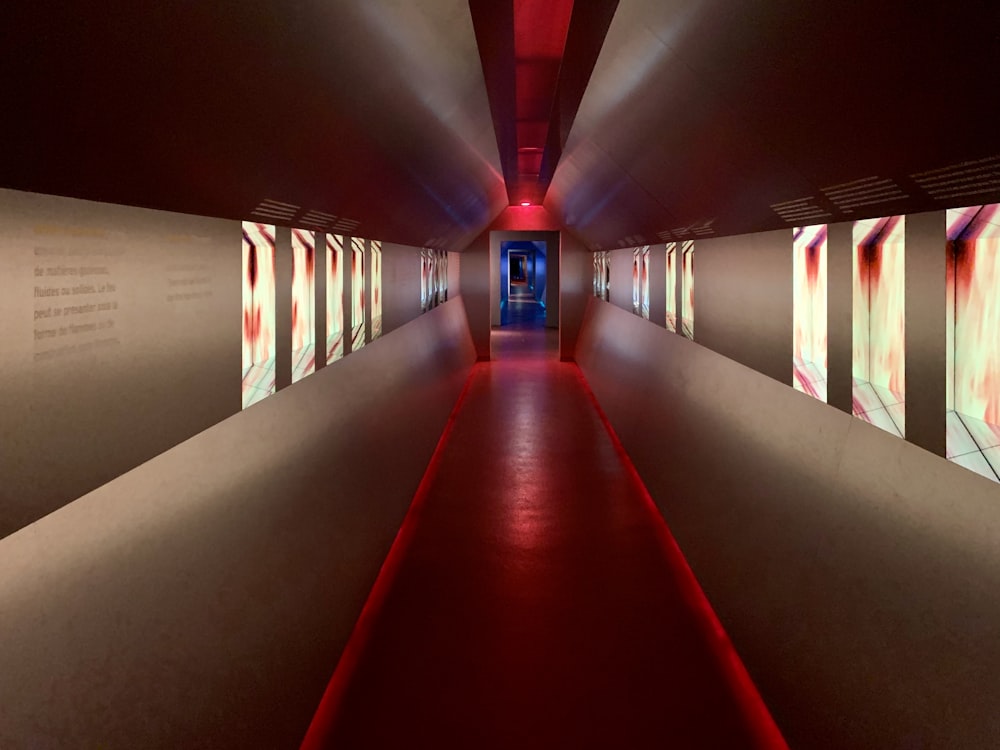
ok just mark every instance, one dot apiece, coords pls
pixel 202 600
pixel 620 283
pixel 119 338
pixel 400 285
pixel 855 573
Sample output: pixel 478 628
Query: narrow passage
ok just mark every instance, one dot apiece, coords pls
pixel 531 600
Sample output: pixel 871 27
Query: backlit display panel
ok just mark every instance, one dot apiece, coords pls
pixel 303 304
pixel 334 297
pixel 357 293
pixel 440 277
pixel 644 281
pixel 426 276
pixel 687 288
pixel 433 278
pixel 973 364
pixel 636 273
pixel 672 286
pixel 879 323
pixel 602 271
pixel 809 260
pixel 376 289
pixel 258 311
pixel 444 275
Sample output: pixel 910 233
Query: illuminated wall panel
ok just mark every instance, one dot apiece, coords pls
pixel 636 282
pixel 303 304
pixel 376 289
pixel 606 281
pixel 879 314
pixel 258 312
pixel 672 286
pixel 809 363
pixel 433 278
pixel 602 273
pixel 334 298
pixel 444 275
pixel 426 272
pixel 357 293
pixel 687 288
pixel 973 365
pixel 440 277
pixel 644 281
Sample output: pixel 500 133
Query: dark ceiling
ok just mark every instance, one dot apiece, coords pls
pixel 699 119
pixel 720 117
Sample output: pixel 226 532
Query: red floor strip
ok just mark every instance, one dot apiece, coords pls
pixel 326 714
pixel 754 710
pixel 534 597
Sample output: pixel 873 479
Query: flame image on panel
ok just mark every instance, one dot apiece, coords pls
pixel 334 298
pixel 601 272
pixel 636 273
pixel 433 278
pixel 644 281
pixel 606 282
pixel 442 276
pixel 973 364
pixel 879 314
pixel 809 365
pixel 426 266
pixel 258 312
pixel 376 289
pixel 357 293
pixel 303 304
pixel 687 288
pixel 672 287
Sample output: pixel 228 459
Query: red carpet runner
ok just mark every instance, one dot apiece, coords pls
pixel 534 598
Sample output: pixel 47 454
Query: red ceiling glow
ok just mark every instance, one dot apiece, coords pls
pixel 540 29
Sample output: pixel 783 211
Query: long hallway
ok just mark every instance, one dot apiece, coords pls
pixel 534 598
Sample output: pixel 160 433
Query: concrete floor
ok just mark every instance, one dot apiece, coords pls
pixel 533 598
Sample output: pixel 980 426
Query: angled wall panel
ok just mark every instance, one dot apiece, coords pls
pixel 687 289
pixel 973 371
pixel 334 298
pixel 636 281
pixel 809 300
pixel 672 260
pixel 376 300
pixel 357 293
pixel 879 323
pixel 259 334
pixel 303 304
pixel 644 282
